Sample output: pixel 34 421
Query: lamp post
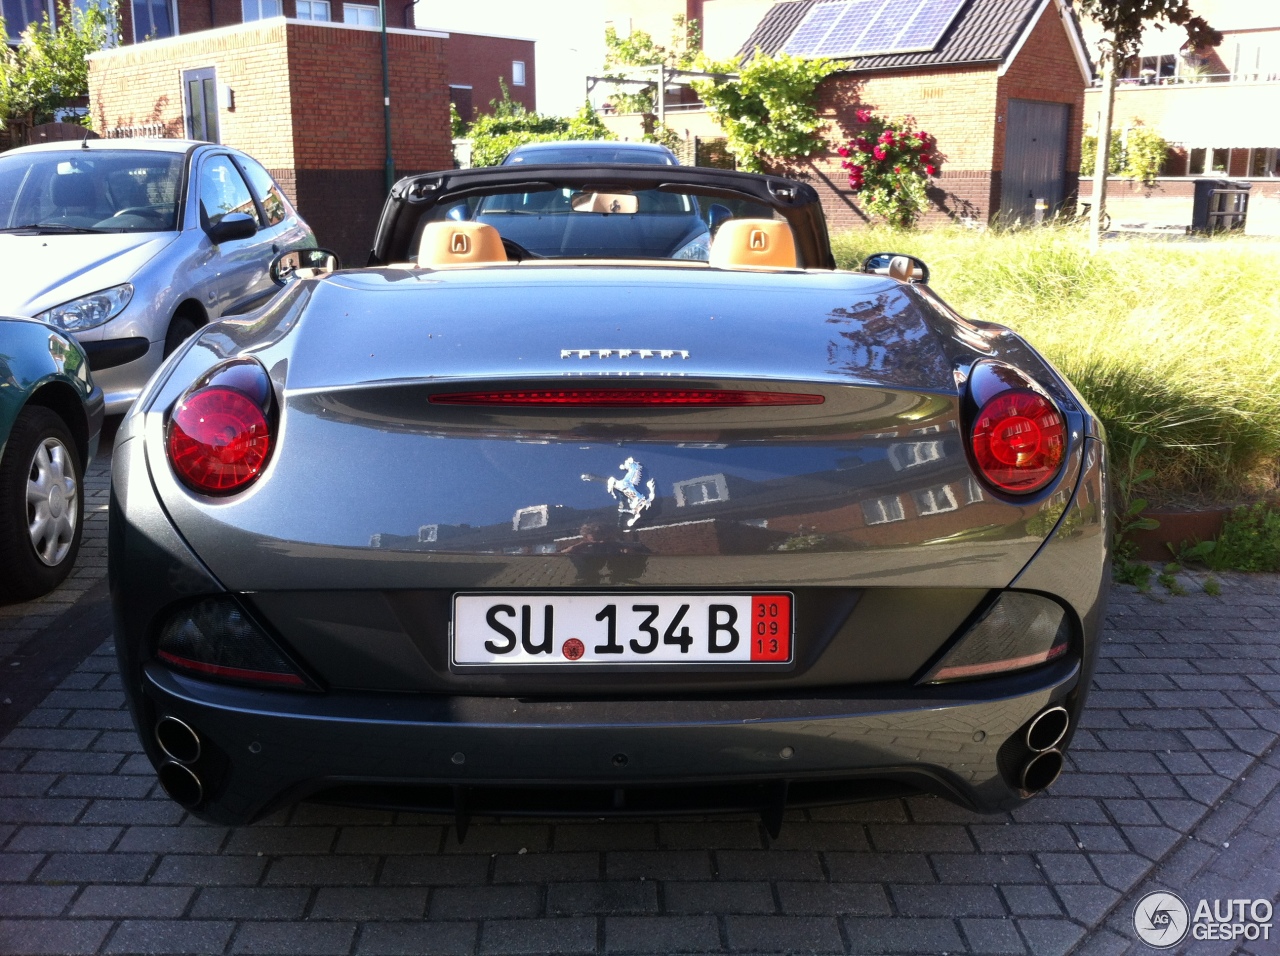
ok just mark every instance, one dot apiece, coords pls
pixel 386 96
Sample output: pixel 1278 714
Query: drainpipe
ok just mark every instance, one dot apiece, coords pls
pixel 386 96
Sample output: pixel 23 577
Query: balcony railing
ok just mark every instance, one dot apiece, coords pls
pixel 1193 79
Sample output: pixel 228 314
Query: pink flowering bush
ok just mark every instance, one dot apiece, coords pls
pixel 889 164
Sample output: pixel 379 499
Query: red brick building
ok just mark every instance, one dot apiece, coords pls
pixel 1001 87
pixel 303 98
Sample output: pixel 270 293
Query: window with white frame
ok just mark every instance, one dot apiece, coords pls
pixel 517 72
pixel 526 519
pixel 883 510
pixel 259 9
pixel 313 10
pixel 909 454
pixel 701 491
pixel 935 500
pixel 428 533
pixel 360 15
pixel 1264 163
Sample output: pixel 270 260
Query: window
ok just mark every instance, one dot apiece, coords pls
pixel 1195 162
pixel 259 9
pixel 313 10
pixel 909 454
pixel 427 533
pixel 20 14
pixel 1220 159
pixel 701 491
pixel 517 72
pixel 200 99
pixel 1264 163
pixel 360 15
pixel 526 519
pixel 268 193
pixel 223 191
pixel 935 500
pixel 883 510
pixel 152 20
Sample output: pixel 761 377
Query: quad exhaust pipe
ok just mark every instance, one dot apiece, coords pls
pixel 181 744
pixel 1042 738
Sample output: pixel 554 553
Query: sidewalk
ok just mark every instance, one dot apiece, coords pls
pixel 1173 782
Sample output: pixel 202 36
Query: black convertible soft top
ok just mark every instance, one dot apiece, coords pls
pixel 416 196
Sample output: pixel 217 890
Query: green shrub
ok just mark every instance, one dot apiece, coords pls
pixel 1174 342
pixel 1250 541
pixel 495 134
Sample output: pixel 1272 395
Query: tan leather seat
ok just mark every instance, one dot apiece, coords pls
pixel 448 244
pixel 754 244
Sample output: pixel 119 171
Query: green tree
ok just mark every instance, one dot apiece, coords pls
pixel 49 66
pixel 1123 23
pixel 495 134
pixel 638 48
pixel 1139 156
pixel 769 113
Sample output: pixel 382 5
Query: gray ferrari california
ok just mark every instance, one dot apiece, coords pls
pixel 480 529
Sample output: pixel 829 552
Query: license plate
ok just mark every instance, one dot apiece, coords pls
pixel 621 629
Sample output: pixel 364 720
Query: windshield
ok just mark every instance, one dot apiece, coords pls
pixel 588 154
pixel 90 191
pixel 582 222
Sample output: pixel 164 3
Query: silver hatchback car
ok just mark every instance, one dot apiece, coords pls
pixel 132 245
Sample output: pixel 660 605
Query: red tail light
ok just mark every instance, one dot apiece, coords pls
pixel 218 440
pixel 1019 438
pixel 627 397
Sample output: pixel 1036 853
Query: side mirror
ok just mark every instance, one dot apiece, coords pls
pixel 303 264
pixel 232 226
pixel 717 216
pixel 457 213
pixel 896 266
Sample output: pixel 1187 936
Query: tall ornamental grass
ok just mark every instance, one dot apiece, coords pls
pixel 1175 341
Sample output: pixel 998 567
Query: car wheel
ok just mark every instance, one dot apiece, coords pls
pixel 180 329
pixel 41 505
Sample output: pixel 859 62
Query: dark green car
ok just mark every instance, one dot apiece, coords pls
pixel 50 416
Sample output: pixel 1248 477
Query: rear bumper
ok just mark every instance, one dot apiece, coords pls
pixel 263 749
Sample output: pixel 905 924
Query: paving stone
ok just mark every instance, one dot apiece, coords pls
pixel 988 868
pixel 992 936
pixel 304 939
pixel 18 867
pixel 783 933
pixel 52 937
pixel 486 902
pixel 34 900
pixel 880 868
pixel 97 867
pixel 369 903
pixel 658 865
pixel 502 838
pixel 616 897
pixel 282 841
pixel 834 899
pixel 916 900
pixel 921 838
pixel 399 939
pixel 544 867
pixel 384 839
pixel 144 812
pixel 40 809
pixel 768 865
pixel 1087 904
pixel 191 870
pixel 251 902
pixel 140 901
pixel 538 936
pixel 606 836
pixel 434 870
pixel 713 835
pixel 932 936
pixel 69 838
pixel 1030 901
pixel 1050 937
pixel 661 934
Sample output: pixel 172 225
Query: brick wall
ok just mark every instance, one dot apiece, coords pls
pixel 307 104
pixel 478 62
pixel 1046 70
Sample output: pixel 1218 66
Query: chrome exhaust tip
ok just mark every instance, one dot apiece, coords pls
pixel 1048 729
pixel 178 741
pixel 1041 771
pixel 182 786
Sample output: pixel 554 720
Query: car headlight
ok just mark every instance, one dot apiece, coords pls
pixel 89 311
pixel 699 248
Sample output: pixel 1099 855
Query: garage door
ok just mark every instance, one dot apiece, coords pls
pixel 1035 158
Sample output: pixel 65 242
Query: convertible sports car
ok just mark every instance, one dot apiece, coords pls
pixel 476 531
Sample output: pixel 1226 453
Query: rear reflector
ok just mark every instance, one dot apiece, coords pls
pixel 627 397
pixel 1020 630
pixel 214 638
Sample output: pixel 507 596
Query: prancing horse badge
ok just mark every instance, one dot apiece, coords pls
pixel 633 500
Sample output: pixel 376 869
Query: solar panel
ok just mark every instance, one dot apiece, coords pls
pixel 845 28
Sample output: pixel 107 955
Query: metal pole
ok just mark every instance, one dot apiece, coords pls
pixel 386 95
pixel 662 94
pixel 1102 161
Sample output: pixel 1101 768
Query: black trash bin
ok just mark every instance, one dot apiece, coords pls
pixel 1220 205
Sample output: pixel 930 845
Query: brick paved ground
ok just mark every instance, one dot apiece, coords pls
pixel 1174 782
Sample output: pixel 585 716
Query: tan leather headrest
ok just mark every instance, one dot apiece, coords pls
pixel 450 243
pixel 754 244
